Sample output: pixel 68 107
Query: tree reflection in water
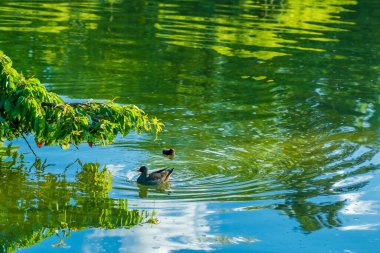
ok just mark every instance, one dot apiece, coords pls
pixel 35 206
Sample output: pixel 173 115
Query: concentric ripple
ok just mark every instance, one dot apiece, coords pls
pixel 339 167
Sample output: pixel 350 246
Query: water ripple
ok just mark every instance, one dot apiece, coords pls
pixel 262 31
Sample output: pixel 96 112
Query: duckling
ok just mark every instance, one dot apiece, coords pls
pixel 168 151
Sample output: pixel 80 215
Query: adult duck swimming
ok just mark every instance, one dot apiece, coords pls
pixel 155 178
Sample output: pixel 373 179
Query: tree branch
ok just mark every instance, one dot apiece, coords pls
pixel 52 105
pixel 30 147
pixel 60 106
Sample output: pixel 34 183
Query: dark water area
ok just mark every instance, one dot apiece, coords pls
pixel 272 107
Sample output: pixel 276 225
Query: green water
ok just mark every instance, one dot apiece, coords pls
pixel 272 107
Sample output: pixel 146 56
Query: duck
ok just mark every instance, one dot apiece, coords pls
pixel 155 178
pixel 168 151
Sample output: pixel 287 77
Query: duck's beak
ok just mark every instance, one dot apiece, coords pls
pixel 138 170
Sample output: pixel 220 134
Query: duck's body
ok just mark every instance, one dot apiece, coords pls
pixel 155 178
pixel 168 151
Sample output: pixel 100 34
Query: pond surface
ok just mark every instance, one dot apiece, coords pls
pixel 272 107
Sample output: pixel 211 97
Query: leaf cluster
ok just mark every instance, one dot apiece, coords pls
pixel 26 107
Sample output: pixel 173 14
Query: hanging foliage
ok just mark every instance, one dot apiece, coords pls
pixel 26 107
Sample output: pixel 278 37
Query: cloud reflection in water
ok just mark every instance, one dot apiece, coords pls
pixel 183 226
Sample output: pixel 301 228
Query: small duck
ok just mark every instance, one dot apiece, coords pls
pixel 168 151
pixel 154 178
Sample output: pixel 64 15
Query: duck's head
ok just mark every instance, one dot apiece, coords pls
pixel 143 169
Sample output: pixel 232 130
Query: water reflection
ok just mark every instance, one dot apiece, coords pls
pixel 36 206
pixel 143 189
pixel 314 191
pixel 297 134
pixel 355 206
pixel 260 29
pixel 184 226
pixel 46 18
pixel 361 227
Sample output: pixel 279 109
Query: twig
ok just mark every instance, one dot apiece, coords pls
pixel 51 105
pixel 30 147
pixel 68 166
pixel 74 104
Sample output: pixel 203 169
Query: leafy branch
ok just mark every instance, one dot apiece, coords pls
pixel 26 107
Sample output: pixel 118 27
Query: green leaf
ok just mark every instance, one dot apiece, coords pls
pixel 65 146
pixel 7 105
pixel 11 85
pixel 41 124
pixel 36 124
pixel 2 101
